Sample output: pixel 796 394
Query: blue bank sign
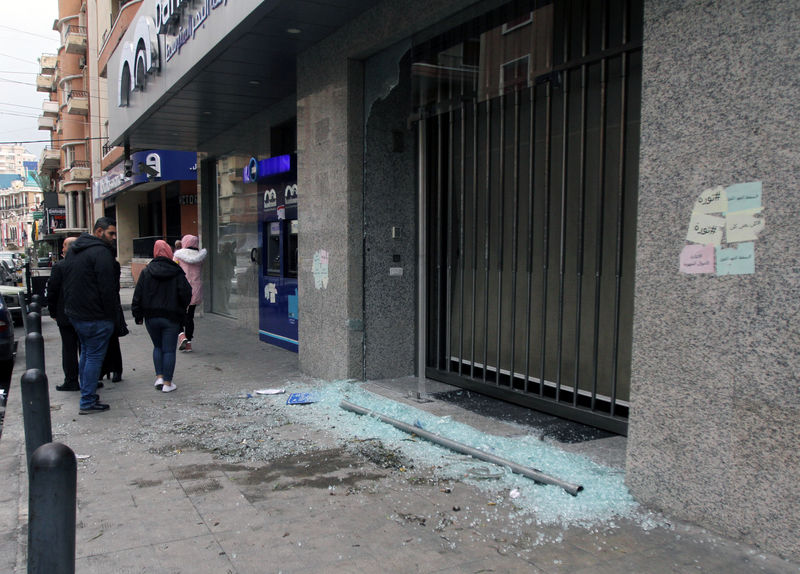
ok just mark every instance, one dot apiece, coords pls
pixel 147 166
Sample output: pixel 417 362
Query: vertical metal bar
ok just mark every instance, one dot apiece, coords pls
pixel 438 245
pixel 581 209
pixel 598 264
pixel 488 214
pixel 529 254
pixel 474 228
pixel 562 239
pixel 422 273
pixel 501 212
pixel 546 227
pixel 461 225
pixel 620 208
pixel 448 237
pixel 514 239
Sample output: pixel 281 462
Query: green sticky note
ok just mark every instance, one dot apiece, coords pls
pixel 739 260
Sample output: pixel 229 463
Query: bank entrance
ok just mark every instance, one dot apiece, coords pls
pixel 528 139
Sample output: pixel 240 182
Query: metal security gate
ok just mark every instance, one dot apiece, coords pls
pixel 528 123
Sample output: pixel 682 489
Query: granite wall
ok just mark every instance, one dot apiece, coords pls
pixel 714 430
pixel 344 285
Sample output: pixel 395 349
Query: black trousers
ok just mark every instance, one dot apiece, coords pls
pixel 188 323
pixel 70 348
pixel 112 363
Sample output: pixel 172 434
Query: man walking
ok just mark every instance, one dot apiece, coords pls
pixel 69 338
pixel 90 302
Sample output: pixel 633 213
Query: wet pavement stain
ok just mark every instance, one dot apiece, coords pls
pixel 205 487
pixel 196 471
pixel 144 483
pixel 318 469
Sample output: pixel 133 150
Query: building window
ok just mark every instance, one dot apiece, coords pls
pixel 514 74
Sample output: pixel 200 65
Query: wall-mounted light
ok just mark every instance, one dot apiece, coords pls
pixel 293 30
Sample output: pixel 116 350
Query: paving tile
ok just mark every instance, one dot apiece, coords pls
pixel 199 555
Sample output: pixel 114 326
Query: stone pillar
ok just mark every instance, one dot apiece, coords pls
pixel 715 392
pixel 330 152
pixel 70 208
pixel 81 208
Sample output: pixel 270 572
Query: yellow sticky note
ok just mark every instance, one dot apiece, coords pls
pixel 705 229
pixel 712 200
pixel 744 225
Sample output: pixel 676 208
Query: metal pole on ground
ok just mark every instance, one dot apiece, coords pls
pixel 35 411
pixel 52 507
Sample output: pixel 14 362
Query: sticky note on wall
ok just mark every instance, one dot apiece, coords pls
pixel 712 200
pixel 743 225
pixel 705 229
pixel 697 259
pixel 743 196
pixel 739 260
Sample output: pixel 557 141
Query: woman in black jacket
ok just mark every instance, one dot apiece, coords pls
pixel 160 299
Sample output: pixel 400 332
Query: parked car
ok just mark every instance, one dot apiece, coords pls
pixel 8 350
pixel 13 298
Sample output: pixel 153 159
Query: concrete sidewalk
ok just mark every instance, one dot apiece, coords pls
pixel 171 483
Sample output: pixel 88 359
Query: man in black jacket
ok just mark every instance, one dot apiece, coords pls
pixel 90 302
pixel 69 338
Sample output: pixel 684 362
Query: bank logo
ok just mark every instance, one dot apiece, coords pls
pixel 138 59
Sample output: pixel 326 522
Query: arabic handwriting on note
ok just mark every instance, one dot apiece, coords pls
pixel 697 259
pixel 712 200
pixel 705 229
pixel 743 196
pixel 744 225
pixel 739 260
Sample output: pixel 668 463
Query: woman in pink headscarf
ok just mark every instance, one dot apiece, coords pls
pixel 190 258
pixel 160 299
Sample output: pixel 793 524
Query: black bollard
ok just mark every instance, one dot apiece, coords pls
pixel 34 307
pixel 52 492
pixel 35 410
pixel 34 324
pixel 35 298
pixel 34 351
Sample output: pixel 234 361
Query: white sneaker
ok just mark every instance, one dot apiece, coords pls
pixel 169 388
pixel 159 383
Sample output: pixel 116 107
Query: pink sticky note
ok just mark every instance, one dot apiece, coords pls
pixel 697 259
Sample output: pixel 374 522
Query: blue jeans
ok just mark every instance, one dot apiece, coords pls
pixel 94 336
pixel 164 334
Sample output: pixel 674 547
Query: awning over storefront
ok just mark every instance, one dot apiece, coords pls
pixel 187 73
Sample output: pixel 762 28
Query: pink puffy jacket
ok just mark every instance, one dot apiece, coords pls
pixel 191 261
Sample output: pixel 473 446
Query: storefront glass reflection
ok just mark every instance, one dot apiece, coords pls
pixel 234 280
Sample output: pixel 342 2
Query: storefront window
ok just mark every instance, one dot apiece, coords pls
pixel 234 280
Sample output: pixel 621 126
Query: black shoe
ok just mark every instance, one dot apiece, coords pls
pixel 68 387
pixel 95 408
pixel 99 384
pixel 116 377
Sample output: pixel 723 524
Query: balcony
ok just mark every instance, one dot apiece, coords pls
pixel 80 171
pixel 78 103
pixel 50 109
pixel 47 123
pixel 48 63
pixel 75 40
pixel 59 126
pixel 44 83
pixel 49 159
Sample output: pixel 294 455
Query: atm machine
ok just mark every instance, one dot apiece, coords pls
pixel 276 255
